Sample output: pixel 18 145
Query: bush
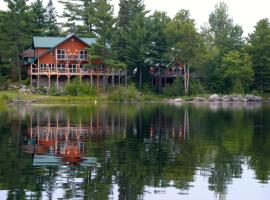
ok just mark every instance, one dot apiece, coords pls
pixel 196 87
pixel 129 93
pixel 75 88
pixel 238 87
pixel 176 89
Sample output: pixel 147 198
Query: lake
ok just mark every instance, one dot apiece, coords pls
pixel 135 151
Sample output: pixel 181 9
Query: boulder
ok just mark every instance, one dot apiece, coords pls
pixel 253 98
pixel 199 99
pixel 226 98
pixel 214 98
pixel 178 100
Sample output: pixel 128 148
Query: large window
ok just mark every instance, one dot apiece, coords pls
pixel 83 54
pixel 61 54
pixel 42 67
pixel 61 67
pixel 72 68
pixel 51 67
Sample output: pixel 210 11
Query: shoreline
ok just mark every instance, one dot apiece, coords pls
pixel 17 98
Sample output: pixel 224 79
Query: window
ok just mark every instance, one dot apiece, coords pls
pixel 72 68
pixel 51 67
pixel 61 67
pixel 61 54
pixel 42 67
pixel 83 54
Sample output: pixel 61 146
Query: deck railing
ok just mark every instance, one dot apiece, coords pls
pixel 76 71
pixel 77 57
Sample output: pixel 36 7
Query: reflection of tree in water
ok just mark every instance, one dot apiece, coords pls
pixel 138 146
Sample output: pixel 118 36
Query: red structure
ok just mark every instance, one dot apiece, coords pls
pixel 57 60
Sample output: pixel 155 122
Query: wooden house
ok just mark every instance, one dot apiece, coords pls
pixel 58 60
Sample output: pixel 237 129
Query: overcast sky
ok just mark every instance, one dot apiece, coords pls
pixel 244 12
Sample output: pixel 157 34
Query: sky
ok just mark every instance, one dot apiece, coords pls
pixel 244 12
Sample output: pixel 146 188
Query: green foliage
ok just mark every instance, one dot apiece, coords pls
pixel 79 15
pixel 129 93
pixel 196 87
pixel 185 41
pixel 174 90
pixel 259 49
pixel 237 68
pixel 51 27
pixel 75 88
pixel 238 87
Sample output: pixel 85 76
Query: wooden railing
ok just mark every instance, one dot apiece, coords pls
pixel 72 58
pixel 76 71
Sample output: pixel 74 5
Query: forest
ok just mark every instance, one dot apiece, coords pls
pixel 136 38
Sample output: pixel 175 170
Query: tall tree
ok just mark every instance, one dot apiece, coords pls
pixel 158 40
pixel 16 33
pixel 52 28
pixel 226 35
pixel 259 48
pixel 237 69
pixel 103 21
pixel 79 15
pixel 184 39
pixel 221 36
pixel 185 42
pixel 39 17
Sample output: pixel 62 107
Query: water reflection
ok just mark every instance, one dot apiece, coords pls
pixel 134 152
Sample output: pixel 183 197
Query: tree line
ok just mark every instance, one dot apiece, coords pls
pixel 137 39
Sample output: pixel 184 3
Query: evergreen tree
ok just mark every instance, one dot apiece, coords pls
pixel 52 28
pixel 16 35
pixel 103 21
pixel 259 48
pixel 158 40
pixel 79 16
pixel 39 17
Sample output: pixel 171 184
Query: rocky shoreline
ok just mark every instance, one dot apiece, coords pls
pixel 215 98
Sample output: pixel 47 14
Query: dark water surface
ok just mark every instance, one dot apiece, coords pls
pixel 146 151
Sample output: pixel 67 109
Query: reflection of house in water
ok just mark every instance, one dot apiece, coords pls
pixel 178 130
pixel 55 139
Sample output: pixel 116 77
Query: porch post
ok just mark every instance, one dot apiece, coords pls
pixel 49 82
pixel 57 81
pixel 38 81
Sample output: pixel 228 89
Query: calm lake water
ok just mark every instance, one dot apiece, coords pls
pixel 133 151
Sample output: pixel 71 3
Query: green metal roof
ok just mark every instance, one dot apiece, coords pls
pixel 50 42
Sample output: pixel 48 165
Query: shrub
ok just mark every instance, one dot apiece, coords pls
pixel 75 88
pixel 196 87
pixel 238 87
pixel 176 89
pixel 129 93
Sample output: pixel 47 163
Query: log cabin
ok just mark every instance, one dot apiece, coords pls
pixel 55 61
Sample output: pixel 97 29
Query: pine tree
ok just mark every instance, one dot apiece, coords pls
pixel 103 21
pixel 259 49
pixel 52 28
pixel 16 34
pixel 79 16
pixel 39 17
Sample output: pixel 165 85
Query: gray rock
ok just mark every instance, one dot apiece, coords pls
pixel 214 98
pixel 253 98
pixel 226 98
pixel 199 99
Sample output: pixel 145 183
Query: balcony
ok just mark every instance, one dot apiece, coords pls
pixel 76 71
pixel 72 57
